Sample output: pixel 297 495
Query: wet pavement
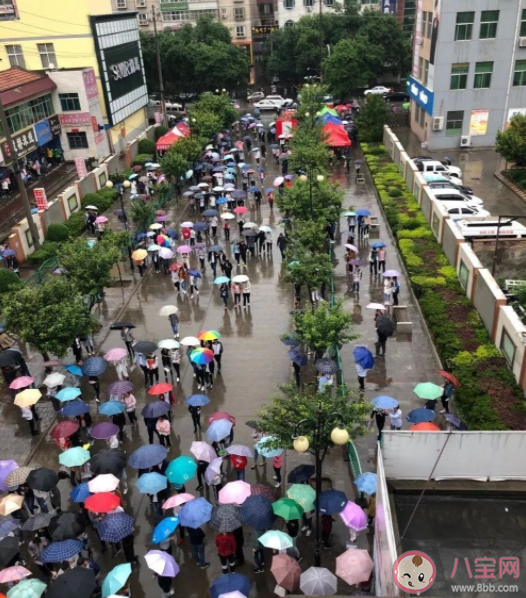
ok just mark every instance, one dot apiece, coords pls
pixel 254 363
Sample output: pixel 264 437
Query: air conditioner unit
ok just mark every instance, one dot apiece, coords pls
pixel 309 8
pixel 465 140
pixel 438 123
pixel 522 42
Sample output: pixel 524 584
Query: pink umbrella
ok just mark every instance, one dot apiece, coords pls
pixel 115 354
pixel 177 500
pixel 202 451
pixel 278 181
pixel 100 219
pixel 234 493
pixel 221 415
pixel 240 210
pixel 353 516
pixel 351 247
pixel 21 382
pixel 184 249
pixel 161 239
pixel 161 218
pixel 15 573
pixel 354 566
pixel 286 571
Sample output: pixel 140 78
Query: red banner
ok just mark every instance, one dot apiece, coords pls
pixel 40 198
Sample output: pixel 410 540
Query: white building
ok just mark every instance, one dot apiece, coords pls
pixel 291 11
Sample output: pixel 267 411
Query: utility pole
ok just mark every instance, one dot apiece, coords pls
pixel 161 83
pixel 20 183
pixel 321 42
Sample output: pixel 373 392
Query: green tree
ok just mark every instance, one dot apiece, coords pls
pixel 325 205
pixel 9 281
pixel 307 269
pixel 49 316
pixel 324 327
pixel 190 148
pixel 309 235
pixel 142 213
pixel 218 104
pixel 511 143
pixel 373 117
pixel 89 268
pixel 280 416
pixel 173 164
pixel 204 124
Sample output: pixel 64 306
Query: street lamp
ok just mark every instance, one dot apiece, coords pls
pixel 318 428
pixel 304 178
pixel 109 185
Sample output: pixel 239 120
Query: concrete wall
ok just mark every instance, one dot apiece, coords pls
pixel 87 185
pixel 439 215
pixel 452 238
pixel 511 256
pixel 410 173
pixel 20 242
pixel 509 339
pixel 467 268
pixel 482 456
pixel 70 200
pixel 426 203
pixel 53 215
pixel 100 175
pixel 488 299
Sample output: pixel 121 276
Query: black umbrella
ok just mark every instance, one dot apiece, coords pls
pixel 108 461
pixel 385 326
pixel 250 233
pixel 8 550
pixel 252 424
pixel 326 366
pixel 301 474
pixel 144 347
pixel 8 358
pixel 67 526
pixel 78 582
pixel 119 325
pixel 42 479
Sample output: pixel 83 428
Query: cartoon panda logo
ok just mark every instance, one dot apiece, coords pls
pixel 414 572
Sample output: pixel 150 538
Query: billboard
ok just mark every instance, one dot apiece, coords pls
pixel 478 123
pixel 43 132
pixel 421 95
pixel 121 64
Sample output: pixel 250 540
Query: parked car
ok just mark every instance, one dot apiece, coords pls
pixel 462 210
pixel 435 166
pixel 379 89
pixel 453 195
pixel 397 96
pixel 449 184
pixel 267 105
pixel 280 100
pixel 256 96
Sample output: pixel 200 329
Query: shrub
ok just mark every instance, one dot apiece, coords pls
pixel 102 200
pixel 429 282
pixel 9 281
pixel 75 224
pixel 418 233
pixel 394 192
pixel 48 250
pixel 159 132
pixel 57 233
pixel 146 146
pixel 141 159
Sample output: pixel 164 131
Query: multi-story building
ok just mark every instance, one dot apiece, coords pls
pixel 94 58
pixel 405 11
pixel 469 70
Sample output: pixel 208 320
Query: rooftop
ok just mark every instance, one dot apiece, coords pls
pixel 17 85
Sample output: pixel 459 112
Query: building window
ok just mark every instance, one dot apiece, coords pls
pixel 143 18
pixel 73 202
pixel 102 179
pixel 329 2
pixel 8 12
pixel 224 14
pixel 240 31
pixel 464 27
pixel 519 76
pixel 122 3
pixel 140 3
pixel 29 238
pixel 422 118
pixel 523 24
pixel 16 56
pixel 189 16
pixel 69 102
pixel 507 347
pixel 459 76
pixel 463 275
pixel 29 113
pixel 429 28
pixel 420 68
pixel 77 140
pixel 488 24
pixel 454 122
pixel 239 14
pixel 47 55
pixel 483 72
pixel 308 3
pixel 289 23
pixel 426 72
pixel 288 4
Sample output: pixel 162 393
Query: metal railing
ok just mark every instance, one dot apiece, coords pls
pixel 38 277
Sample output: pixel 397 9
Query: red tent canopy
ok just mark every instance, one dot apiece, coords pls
pixel 336 135
pixel 178 132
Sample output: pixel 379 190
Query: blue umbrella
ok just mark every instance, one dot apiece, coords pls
pixel 80 493
pixel 262 447
pixel 116 579
pixel 421 415
pixel 246 167
pixel 74 408
pixel 290 341
pixel 231 582
pixel 195 513
pixel 363 357
pixel 164 529
pixel 172 233
pixel 8 253
pixel 68 394
pixel 221 201
pixel 384 402
pixel 201 225
pixel 332 501
pixel 215 248
pixel 111 408
pixel 219 429
pixel 151 483
pixel 257 512
pixel 7 526
pixel 141 236
pixel 197 400
pixel 209 213
pixel 156 409
pixel 253 189
pixel 147 456
pixel 195 273
pixel 94 366
pixel 261 169
pixel 298 357
pixel 56 552
pixel 114 527
pixel 269 190
pixel 366 482
pixel 363 212
pixel 378 245
pixel 455 421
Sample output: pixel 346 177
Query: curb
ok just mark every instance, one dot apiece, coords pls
pixel 505 181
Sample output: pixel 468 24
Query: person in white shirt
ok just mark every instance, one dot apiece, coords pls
pixel 213 225
pixel 27 414
pixel 362 373
pixel 246 294
pixel 268 241
pixel 395 415
pixel 192 237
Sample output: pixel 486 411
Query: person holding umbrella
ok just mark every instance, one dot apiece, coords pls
pixel 152 365
pixel 130 403
pixel 379 415
pixel 223 293
pixel 127 337
pixel 246 294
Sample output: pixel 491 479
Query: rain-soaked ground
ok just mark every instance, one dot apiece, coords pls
pixel 254 363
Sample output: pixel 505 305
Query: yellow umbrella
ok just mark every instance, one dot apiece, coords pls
pixel 11 503
pixel 139 254
pixel 156 226
pixel 27 397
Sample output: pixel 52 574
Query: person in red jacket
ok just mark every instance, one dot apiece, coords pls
pixel 226 549
pixel 239 464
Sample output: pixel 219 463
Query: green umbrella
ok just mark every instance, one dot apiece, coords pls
pixel 428 391
pixel 276 540
pixel 28 588
pixel 287 509
pixel 116 579
pixel 74 457
pixel 302 494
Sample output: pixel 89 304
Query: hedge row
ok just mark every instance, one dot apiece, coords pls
pixel 488 398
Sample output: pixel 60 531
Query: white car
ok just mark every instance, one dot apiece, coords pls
pixel 379 89
pixel 256 96
pixel 453 195
pixel 280 100
pixel 461 210
pixel 267 105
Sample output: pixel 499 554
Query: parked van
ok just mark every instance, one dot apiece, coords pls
pixel 487 229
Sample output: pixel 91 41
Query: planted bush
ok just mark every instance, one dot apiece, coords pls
pixel 75 224
pixel 48 250
pixel 141 159
pixel 57 233
pixel 9 281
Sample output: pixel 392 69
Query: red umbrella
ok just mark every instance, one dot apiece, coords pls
pixel 175 267
pixel 137 168
pixel 286 571
pixel 160 389
pixel 221 415
pixel 103 502
pixel 341 107
pixel 449 377
pixel 264 490
pixel 424 427
pixel 64 429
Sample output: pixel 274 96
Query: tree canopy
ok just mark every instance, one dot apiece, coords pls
pixel 373 117
pixel 511 143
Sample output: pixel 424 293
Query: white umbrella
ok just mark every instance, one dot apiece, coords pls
pixel 166 254
pixel 168 310
pixel 227 216
pixel 154 247
pixel 250 225
pixel 191 341
pixel 218 188
pixel 376 306
pixel 105 482
pixel 318 581
pixel 91 208
pixel 187 225
pixel 203 185
pixel 265 229
pixel 240 278
pixel 54 379
pixel 168 343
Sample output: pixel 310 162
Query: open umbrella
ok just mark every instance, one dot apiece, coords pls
pixel 354 516
pixel 449 377
pixel 234 493
pixel 94 366
pixel 276 540
pixel 108 461
pixel 80 493
pixel 121 324
pixel 68 394
pixel 190 341
pixel 36 522
pixel 218 430
pixel 116 579
pixel 287 509
pixel 9 548
pixel 290 340
pixel 15 573
pixel 332 501
pixel 385 326
pixel 264 490
pixel 162 563
pixel 111 408
pixel 301 474
pixel 168 343
pixel 366 482
pixel 164 529
pixel 264 448
pixel 21 382
pixel 104 430
pixel 56 552
pixel 428 391
pixel 318 581
pixel 195 513
pixel 104 482
pixel 28 588
pixel 74 369
pixel 197 400
pixel 145 347
pixel 225 518
pixel 8 525
pixel 376 306
pixel 208 335
pixel 74 408
pixel 151 483
pixel 176 500
pixel 64 429
pixel 326 366
pixel 354 566
pixel 418 416
pixel 103 502
pixel 114 527
pixel 156 409
pixel 115 354
pixel 455 421
pixel 286 572
pixel 257 512
pixel 6 467
pixel 138 255
pixel 384 402
pixel 363 357
pixel 67 526
pixel 298 357
pixel 28 397
pixel 181 470
pixel 17 476
pixel 240 450
pixel 303 494
pixel 10 503
pixel 424 427
pixel 160 388
pixel 391 273
pixel 147 456
pixel 231 582
pixel 203 451
pixel 74 457
pixel 168 310
pixel 42 479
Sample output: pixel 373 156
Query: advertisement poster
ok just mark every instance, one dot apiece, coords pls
pixel 418 35
pixel 90 85
pixel 81 167
pixel 434 40
pixel 40 198
pixel 478 124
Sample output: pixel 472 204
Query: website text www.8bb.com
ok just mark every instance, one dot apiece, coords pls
pixel 486 587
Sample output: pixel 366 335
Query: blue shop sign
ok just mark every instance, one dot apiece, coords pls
pixel 421 95
pixel 43 132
